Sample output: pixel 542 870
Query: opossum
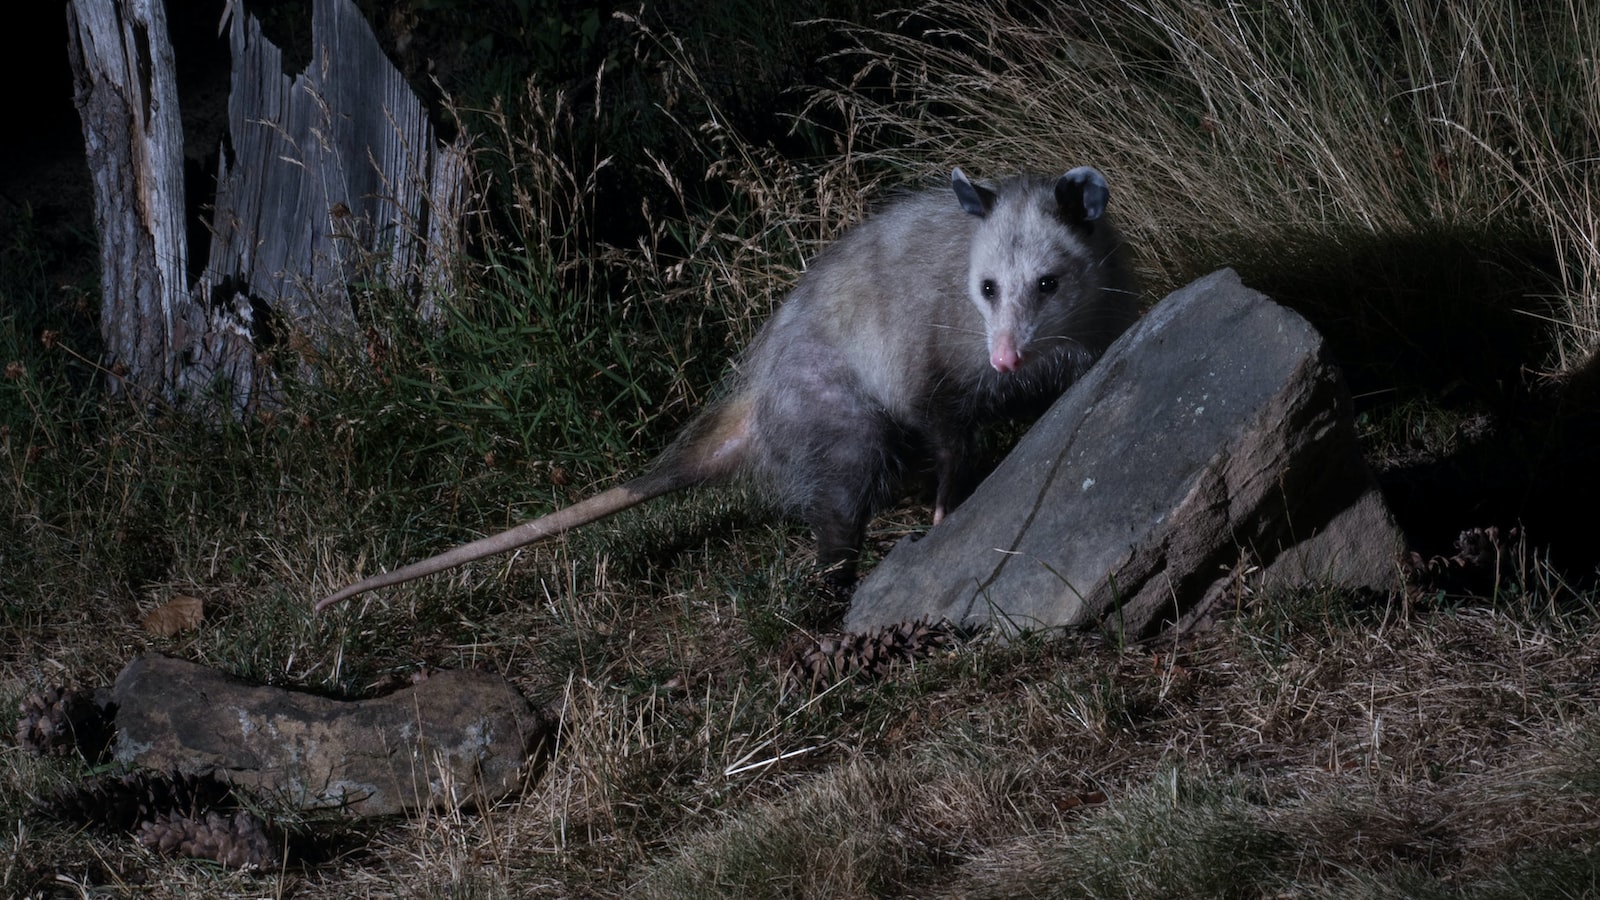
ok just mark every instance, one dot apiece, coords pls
pixel 921 323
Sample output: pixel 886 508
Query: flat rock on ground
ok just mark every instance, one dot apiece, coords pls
pixel 1211 450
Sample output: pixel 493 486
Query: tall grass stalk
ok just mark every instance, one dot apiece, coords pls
pixel 1229 127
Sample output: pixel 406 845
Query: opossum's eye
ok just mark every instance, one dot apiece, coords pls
pixel 989 289
pixel 1047 285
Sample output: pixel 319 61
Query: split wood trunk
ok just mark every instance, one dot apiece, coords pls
pixel 330 186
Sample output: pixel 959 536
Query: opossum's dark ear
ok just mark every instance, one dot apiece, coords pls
pixel 974 199
pixel 1082 195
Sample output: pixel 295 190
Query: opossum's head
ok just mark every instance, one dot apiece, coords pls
pixel 1031 265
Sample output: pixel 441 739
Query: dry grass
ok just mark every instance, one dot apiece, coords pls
pixel 1313 745
pixel 1303 747
pixel 1267 135
pixel 1442 745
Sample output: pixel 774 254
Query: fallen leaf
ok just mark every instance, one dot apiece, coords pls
pixel 1093 798
pixel 180 613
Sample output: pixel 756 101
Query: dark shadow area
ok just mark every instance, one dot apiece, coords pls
pixel 1456 322
pixel 1449 314
pixel 1534 470
pixel 46 205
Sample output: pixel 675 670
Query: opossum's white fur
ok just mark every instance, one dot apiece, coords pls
pixel 936 314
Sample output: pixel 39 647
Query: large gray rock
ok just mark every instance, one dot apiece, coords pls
pixel 1212 446
pixel 457 738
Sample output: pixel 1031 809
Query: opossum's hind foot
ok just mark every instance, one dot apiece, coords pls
pixel 833 586
pixel 839 579
pixel 827 602
pixel 839 543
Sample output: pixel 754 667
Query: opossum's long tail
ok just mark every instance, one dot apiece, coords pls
pixel 712 448
pixel 597 507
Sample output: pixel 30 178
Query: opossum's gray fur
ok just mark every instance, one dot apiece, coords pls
pixel 934 315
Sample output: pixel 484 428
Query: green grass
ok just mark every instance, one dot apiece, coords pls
pixel 1418 183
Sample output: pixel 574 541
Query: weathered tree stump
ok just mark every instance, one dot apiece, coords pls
pixel 330 184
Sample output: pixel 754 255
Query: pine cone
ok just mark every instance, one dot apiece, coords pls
pixel 57 722
pixel 1482 556
pixel 1481 547
pixel 237 841
pixel 814 662
pixel 119 804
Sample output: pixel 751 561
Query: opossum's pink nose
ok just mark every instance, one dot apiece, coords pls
pixel 1004 356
